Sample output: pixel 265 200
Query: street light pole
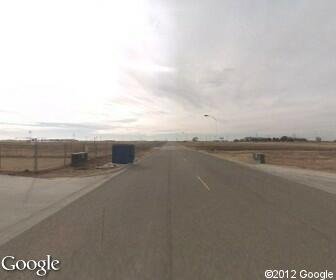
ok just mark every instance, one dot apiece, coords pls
pixel 212 117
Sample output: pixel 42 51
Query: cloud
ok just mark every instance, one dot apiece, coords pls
pixel 266 66
pixel 241 61
pixel 130 120
pixel 88 127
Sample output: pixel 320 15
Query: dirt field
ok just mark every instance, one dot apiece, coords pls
pixel 18 157
pixel 314 156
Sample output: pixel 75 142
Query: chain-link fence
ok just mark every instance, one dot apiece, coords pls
pixel 35 156
pixel 40 156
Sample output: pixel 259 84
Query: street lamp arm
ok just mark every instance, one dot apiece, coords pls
pixel 209 116
pixel 212 117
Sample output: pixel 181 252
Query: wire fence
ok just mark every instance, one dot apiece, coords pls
pixel 35 156
pixel 40 156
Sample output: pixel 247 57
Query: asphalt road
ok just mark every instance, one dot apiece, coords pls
pixel 181 214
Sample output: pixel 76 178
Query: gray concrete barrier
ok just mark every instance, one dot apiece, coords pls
pixel 259 158
pixel 79 159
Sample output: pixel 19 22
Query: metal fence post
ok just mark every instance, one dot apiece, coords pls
pixel 106 148
pixel 65 153
pixel 35 157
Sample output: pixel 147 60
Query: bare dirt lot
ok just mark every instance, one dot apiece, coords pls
pixel 314 156
pixel 45 159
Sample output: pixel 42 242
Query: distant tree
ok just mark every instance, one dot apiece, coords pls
pixel 195 139
pixel 286 139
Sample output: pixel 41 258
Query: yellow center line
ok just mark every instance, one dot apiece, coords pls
pixel 203 183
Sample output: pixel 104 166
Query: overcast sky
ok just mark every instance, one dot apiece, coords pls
pixel 151 69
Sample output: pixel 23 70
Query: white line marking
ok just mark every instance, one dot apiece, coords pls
pixel 203 183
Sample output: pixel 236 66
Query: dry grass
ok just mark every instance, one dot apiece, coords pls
pixel 18 156
pixel 314 156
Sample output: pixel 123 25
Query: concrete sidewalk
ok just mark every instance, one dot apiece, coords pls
pixel 25 201
pixel 317 179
